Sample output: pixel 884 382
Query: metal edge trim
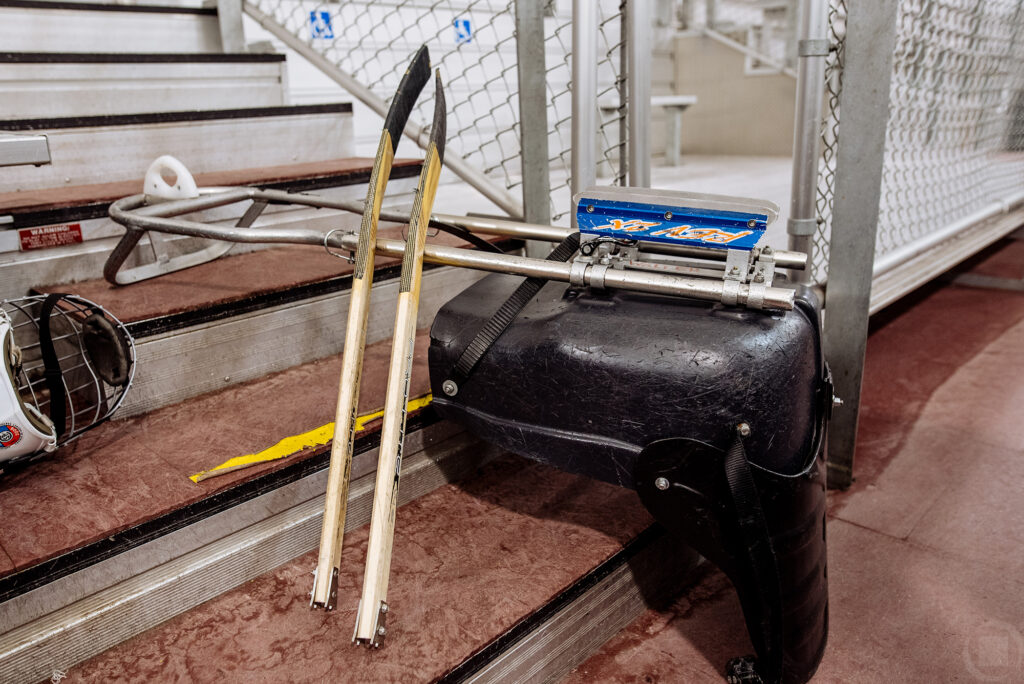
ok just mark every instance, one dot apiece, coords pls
pixel 908 276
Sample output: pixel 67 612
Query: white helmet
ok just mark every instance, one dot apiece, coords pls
pixel 67 365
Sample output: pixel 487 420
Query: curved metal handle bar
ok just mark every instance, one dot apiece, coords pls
pixel 121 252
pixel 136 216
pixel 112 269
pixel 218 197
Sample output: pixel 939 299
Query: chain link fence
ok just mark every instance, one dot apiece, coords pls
pixel 473 43
pixel 954 140
pixel 955 132
pixel 829 139
pixel 955 102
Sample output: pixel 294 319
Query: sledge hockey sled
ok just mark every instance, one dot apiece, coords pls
pixel 714 413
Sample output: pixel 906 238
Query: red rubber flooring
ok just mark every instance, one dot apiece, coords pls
pixel 470 560
pixel 926 550
pixel 126 472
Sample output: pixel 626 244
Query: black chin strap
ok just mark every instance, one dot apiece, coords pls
pixel 503 317
pixel 51 366
pixel 467 235
pixel 756 539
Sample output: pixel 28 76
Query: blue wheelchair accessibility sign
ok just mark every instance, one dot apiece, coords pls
pixel 320 24
pixel 463 32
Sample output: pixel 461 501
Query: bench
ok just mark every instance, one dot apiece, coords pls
pixel 674 106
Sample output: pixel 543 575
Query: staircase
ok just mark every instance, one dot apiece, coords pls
pixel 109 537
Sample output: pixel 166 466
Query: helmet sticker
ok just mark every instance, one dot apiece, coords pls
pixel 10 435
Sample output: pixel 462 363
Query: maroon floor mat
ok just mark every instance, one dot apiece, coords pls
pixel 914 347
pixel 470 560
pixel 126 472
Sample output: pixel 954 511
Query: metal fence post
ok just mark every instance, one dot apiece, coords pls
pixel 638 86
pixel 710 10
pixel 584 96
pixel 533 113
pixel 794 10
pixel 622 92
pixel 229 16
pixel 812 50
pixel 870 39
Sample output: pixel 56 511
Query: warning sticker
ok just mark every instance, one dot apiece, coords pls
pixel 56 235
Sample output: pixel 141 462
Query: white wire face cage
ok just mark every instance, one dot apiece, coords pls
pixel 68 364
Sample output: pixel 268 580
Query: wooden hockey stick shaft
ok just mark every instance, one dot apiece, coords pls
pixel 370 628
pixel 325 582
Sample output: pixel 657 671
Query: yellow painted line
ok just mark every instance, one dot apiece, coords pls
pixel 292 445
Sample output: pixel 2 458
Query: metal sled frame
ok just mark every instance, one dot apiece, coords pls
pixel 138 215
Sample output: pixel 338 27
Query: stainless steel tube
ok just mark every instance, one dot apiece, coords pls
pixel 533 111
pixel 123 212
pixel 901 255
pixel 638 85
pixel 218 197
pixel 810 91
pixel 637 281
pixel 528 231
pixel 584 95
pixel 514 229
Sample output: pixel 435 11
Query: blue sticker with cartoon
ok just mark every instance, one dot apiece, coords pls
pixel 690 226
pixel 463 31
pixel 320 24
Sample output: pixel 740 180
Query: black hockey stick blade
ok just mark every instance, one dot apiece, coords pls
pixel 408 92
pixel 439 128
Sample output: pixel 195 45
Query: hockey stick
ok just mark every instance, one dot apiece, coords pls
pixel 325 578
pixel 373 604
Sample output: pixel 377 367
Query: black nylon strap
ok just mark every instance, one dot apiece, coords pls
pixel 468 236
pixel 51 366
pixel 761 556
pixel 507 313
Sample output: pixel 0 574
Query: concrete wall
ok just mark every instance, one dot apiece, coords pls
pixel 735 113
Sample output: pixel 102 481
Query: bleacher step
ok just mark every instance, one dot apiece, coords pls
pixel 85 528
pixel 86 208
pixel 93 149
pixel 39 25
pixel 128 481
pixel 50 85
pixel 126 608
pixel 551 566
